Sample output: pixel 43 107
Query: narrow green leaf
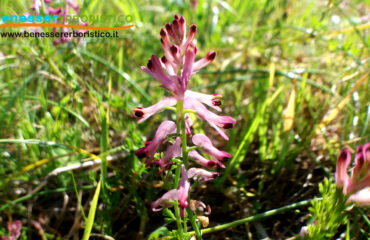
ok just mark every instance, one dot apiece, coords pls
pixel 92 211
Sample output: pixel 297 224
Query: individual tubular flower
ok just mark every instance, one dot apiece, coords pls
pixel 213 101
pixel 190 53
pixel 184 187
pixel 213 119
pixel 166 127
pixel 203 62
pixel 201 174
pixel 188 124
pixel 165 201
pixel 203 161
pixel 203 141
pixel 172 151
pixel 344 159
pixel 145 113
pixel 357 187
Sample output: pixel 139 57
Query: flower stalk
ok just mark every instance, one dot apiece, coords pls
pixel 174 71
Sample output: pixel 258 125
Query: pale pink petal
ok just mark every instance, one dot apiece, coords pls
pixel 164 201
pixel 190 53
pixel 201 63
pixel 184 187
pixel 202 160
pixel 213 101
pixel 361 197
pixel 203 141
pixel 145 113
pixel 201 174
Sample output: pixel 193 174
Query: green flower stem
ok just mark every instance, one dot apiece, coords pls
pixel 179 107
pixel 178 220
pixel 194 224
pixel 183 134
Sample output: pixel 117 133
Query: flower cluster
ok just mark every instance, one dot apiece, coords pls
pixel 70 4
pixel 14 230
pixel 357 187
pixel 173 70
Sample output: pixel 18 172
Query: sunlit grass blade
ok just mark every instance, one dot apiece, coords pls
pixel 92 211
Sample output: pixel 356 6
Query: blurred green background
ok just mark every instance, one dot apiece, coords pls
pixel 293 74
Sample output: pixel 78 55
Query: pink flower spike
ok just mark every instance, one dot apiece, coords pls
pixel 54 11
pixel 166 127
pixel 164 201
pixel 191 52
pixel 172 151
pixel 213 101
pixel 36 6
pixel 201 63
pixel 145 113
pixel 361 198
pixel 201 174
pixel 203 141
pixel 184 187
pixel 344 159
pixel 202 160
pixel 14 230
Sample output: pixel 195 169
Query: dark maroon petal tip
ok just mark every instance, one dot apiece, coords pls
pixel 216 102
pixel 173 49
pixel 141 153
pixel 175 23
pixel 138 112
pixel 168 26
pixel 164 59
pixel 343 155
pixel 182 20
pixel 211 56
pixel 176 16
pixel 193 28
pixel 228 125
pixel 150 64
pixel 211 164
pixel 163 32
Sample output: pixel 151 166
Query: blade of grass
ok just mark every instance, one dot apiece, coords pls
pixel 92 211
pixel 118 71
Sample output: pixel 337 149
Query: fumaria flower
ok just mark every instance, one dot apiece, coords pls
pixel 357 186
pixel 173 71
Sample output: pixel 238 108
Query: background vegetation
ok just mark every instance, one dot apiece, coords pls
pixel 293 74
